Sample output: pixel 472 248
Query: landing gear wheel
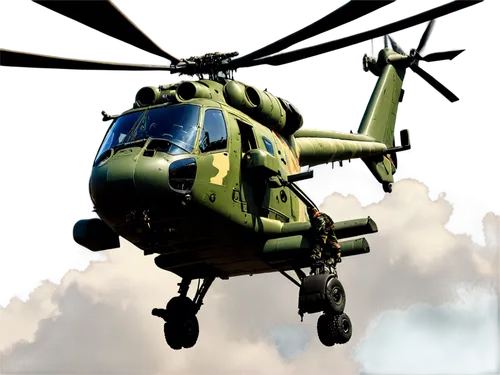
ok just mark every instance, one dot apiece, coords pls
pixel 173 336
pixel 181 328
pixel 326 328
pixel 334 329
pixel 387 186
pixel 344 328
pixel 181 332
pixel 336 296
pixel 180 305
pixel 191 331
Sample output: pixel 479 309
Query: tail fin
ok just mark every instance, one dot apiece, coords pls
pixel 379 120
pixel 380 115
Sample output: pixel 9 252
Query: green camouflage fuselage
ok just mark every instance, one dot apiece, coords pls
pixel 233 212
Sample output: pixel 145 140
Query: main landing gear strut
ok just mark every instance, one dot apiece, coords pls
pixel 181 327
pixel 323 292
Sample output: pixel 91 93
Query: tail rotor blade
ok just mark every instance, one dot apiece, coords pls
pixel 425 35
pixel 396 47
pixel 434 83
pixel 438 56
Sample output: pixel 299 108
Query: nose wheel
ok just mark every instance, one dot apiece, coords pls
pixel 181 328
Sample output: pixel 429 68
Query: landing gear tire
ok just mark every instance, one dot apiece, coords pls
pixel 334 329
pixel 180 305
pixel 336 296
pixel 326 328
pixel 181 328
pixel 321 293
pixel 344 328
pixel 181 331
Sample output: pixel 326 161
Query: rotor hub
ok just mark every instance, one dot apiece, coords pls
pixel 415 57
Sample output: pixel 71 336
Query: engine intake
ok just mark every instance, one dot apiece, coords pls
pixel 151 94
pixel 189 90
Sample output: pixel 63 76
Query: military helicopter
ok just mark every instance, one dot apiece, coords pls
pixel 203 173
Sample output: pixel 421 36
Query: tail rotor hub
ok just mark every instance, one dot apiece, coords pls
pixel 414 57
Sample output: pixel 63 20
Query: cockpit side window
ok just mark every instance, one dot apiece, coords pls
pixel 269 145
pixel 214 133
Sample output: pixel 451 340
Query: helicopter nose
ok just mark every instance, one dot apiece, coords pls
pixel 112 180
pixel 128 181
pixel 151 176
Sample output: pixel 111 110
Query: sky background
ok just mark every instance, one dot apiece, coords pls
pixel 412 312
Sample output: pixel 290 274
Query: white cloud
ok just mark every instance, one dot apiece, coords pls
pixel 96 318
pixel 483 266
pixel 458 337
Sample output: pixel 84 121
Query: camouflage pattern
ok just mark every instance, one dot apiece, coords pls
pixel 233 203
pixel 222 199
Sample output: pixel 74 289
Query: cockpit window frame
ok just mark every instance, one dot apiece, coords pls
pixel 187 147
pixel 144 111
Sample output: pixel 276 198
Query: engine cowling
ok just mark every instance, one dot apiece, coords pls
pixel 151 94
pixel 175 93
pixel 271 111
pixel 189 90
pixel 294 119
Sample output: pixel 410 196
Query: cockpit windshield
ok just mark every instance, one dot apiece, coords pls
pixel 177 124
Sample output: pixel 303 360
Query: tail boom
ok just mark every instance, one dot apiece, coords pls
pixel 315 150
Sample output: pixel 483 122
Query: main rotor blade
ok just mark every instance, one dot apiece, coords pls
pixel 386 41
pixel 354 9
pixel 161 53
pixel 425 36
pixel 437 56
pixel 304 53
pixel 30 60
pixel 434 83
